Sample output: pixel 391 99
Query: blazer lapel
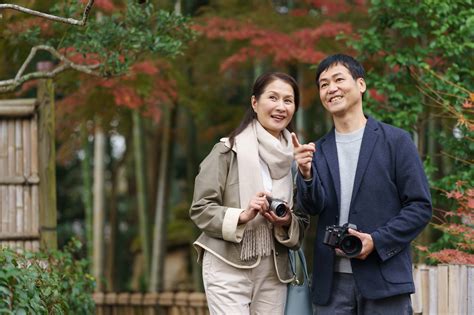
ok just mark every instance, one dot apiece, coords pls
pixel 367 147
pixel 329 150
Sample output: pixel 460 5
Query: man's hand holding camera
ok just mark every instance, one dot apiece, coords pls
pixel 367 243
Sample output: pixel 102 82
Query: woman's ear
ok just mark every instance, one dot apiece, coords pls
pixel 253 100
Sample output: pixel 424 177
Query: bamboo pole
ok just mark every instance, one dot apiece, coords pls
pixel 3 147
pixel 47 160
pixel 140 176
pixel 34 179
pixel 98 218
pixel 17 107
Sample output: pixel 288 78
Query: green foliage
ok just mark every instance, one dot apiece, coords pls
pixel 45 283
pixel 116 40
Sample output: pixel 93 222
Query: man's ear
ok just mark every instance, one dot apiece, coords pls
pixel 362 86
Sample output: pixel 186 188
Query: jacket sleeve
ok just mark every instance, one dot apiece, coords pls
pixel 207 210
pixel 311 196
pixel 414 195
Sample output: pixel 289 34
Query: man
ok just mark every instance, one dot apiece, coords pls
pixel 368 174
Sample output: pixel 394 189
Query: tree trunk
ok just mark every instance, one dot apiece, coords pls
pixel 140 176
pixel 87 189
pixel 98 234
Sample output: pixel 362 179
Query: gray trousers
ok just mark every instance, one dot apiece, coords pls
pixel 347 300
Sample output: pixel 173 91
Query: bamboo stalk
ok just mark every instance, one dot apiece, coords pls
pixel 17 107
pixel 34 146
pixel 19 209
pixel 11 209
pixel 34 209
pixel 14 236
pixel 11 148
pixel 3 147
pixel 27 209
pixel 4 202
pixel 26 148
pixel 18 147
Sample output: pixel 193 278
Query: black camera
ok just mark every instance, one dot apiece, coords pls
pixel 339 237
pixel 277 205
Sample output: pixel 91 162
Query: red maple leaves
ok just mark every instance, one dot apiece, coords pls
pixel 299 46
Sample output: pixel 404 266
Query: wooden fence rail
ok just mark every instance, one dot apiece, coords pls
pixel 440 290
pixel 166 303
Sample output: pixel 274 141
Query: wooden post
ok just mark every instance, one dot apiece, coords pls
pixel 47 160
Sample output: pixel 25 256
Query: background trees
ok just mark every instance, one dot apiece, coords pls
pixel 160 98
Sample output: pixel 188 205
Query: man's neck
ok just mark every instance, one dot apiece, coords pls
pixel 349 123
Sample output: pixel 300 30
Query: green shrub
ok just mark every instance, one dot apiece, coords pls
pixel 53 282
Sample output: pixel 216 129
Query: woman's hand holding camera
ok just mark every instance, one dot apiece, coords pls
pixel 257 204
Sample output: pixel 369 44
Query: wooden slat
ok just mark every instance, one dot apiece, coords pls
pixel 443 289
pixel 453 289
pixel 17 108
pixel 425 290
pixel 463 290
pixel 416 297
pixel 433 305
pixel 470 289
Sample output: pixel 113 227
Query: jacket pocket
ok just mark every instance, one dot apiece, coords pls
pixel 398 269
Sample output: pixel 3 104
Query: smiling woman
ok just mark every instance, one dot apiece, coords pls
pixel 275 107
pixel 244 245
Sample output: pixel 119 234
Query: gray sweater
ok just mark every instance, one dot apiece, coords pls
pixel 348 148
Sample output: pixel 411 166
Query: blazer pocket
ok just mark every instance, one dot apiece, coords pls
pixel 398 269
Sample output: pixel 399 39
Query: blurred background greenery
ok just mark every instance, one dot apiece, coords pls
pixel 175 76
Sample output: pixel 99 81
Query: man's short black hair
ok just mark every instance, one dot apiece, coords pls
pixel 354 67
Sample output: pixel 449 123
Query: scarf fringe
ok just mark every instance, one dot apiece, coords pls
pixel 257 242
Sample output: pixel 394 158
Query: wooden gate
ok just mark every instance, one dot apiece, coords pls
pixel 27 172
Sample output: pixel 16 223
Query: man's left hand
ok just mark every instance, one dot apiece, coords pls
pixel 367 243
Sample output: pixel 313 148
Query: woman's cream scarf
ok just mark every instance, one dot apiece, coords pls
pixel 252 144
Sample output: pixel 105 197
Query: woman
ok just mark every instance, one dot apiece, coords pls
pixel 244 244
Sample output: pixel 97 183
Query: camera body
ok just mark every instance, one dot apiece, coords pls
pixel 277 206
pixel 338 237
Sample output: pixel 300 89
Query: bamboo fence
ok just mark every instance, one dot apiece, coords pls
pixel 440 290
pixel 19 176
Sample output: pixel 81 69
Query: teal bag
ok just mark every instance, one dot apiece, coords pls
pixel 298 297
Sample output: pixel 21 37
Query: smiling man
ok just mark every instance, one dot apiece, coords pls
pixel 368 174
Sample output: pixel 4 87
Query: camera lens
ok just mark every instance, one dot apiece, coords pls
pixel 280 210
pixel 351 245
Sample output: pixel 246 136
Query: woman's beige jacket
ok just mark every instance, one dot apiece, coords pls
pixel 215 210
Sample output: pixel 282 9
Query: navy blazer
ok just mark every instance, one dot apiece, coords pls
pixel 390 200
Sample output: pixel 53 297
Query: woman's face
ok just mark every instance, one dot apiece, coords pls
pixel 275 107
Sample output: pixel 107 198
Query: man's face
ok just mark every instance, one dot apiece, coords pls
pixel 340 94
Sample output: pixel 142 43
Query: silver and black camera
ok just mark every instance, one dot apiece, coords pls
pixel 339 237
pixel 277 205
